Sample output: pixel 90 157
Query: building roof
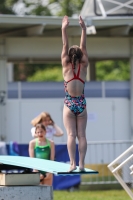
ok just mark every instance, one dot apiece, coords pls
pixel 38 38
pixel 27 26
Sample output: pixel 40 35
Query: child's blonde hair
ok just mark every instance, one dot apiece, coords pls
pixel 42 117
pixel 48 115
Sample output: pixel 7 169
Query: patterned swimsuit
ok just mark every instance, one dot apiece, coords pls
pixel 75 104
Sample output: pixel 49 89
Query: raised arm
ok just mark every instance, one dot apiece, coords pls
pixel 83 36
pixel 59 131
pixel 64 54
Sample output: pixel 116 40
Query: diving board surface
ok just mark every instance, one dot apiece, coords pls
pixel 54 167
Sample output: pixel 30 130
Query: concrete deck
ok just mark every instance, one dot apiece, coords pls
pixel 26 192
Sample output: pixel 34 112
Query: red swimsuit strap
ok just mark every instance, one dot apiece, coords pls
pixel 76 76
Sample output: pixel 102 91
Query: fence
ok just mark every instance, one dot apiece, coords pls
pixel 95 89
pixel 99 156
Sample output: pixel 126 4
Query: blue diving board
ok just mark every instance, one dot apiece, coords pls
pixel 54 167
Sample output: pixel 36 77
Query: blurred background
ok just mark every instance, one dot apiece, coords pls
pixel 31 76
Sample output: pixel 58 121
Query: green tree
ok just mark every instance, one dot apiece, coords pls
pixel 118 70
pixel 38 72
pixel 54 7
pixel 48 74
pixel 50 7
pixel 68 7
pixel 6 6
pixel 37 8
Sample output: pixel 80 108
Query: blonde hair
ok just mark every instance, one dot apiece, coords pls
pixel 42 117
pixel 48 115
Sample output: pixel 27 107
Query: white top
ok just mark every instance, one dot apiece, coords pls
pixel 50 131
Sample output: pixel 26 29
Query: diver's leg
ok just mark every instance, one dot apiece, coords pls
pixel 69 120
pixel 81 135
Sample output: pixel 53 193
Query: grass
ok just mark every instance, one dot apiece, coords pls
pixel 91 195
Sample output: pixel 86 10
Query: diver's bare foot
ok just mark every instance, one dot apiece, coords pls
pixel 81 166
pixel 81 169
pixel 72 168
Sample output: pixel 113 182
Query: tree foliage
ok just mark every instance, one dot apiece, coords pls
pixel 49 7
pixel 105 71
pixel 38 72
pixel 118 70
pixel 48 74
pixel 6 6
pixel 37 8
pixel 68 7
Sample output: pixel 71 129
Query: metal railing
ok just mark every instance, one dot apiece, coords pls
pixel 113 7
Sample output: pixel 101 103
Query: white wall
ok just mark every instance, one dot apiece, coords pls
pixel 108 118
